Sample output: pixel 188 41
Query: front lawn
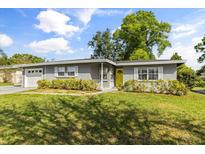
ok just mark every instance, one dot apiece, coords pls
pixel 59 91
pixel 110 118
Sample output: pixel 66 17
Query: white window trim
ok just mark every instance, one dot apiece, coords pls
pixel 56 70
pixel 63 71
pixel 75 71
pixel 160 73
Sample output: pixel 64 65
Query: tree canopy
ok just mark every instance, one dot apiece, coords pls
pixel 175 56
pixel 200 48
pixel 201 70
pixel 2 53
pixel 20 59
pixel 102 45
pixel 185 74
pixel 25 59
pixel 139 54
pixel 140 30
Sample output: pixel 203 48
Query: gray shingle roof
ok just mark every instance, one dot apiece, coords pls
pixel 81 61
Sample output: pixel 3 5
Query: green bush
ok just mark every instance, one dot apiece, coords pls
pixel 68 84
pixel 199 82
pixel 58 84
pixel 186 75
pixel 173 87
pixel 162 86
pixel 135 86
pixel 44 84
pixel 88 85
pixel 177 88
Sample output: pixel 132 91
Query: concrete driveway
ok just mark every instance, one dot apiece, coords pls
pixel 12 89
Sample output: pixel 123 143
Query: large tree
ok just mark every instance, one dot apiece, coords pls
pixel 104 45
pixel 176 56
pixel 185 74
pixel 200 48
pixel 25 59
pixel 3 58
pixel 140 30
pixel 2 53
pixel 139 54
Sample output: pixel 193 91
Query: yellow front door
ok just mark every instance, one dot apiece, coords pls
pixel 119 77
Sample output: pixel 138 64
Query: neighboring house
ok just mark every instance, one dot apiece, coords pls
pixel 202 75
pixel 105 72
pixel 11 74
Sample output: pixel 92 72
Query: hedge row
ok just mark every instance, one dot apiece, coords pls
pixel 68 84
pixel 173 87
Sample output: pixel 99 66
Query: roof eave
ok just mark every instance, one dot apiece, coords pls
pixel 71 62
pixel 151 63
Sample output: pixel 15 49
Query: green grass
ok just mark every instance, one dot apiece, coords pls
pixel 60 91
pixel 110 118
pixel 5 84
pixel 198 88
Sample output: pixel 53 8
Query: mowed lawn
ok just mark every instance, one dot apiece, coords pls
pixel 110 118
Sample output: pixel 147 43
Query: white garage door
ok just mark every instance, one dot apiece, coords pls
pixel 32 76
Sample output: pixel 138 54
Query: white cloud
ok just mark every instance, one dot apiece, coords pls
pixel 182 34
pixel 196 40
pixel 109 12
pixel 186 51
pixel 5 40
pixel 182 30
pixel 57 45
pixel 53 21
pixel 85 15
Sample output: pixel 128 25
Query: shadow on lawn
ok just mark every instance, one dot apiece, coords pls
pixel 72 121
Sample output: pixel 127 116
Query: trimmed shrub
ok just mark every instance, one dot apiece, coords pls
pixel 73 84
pixel 88 85
pixel 44 84
pixel 134 85
pixel 68 84
pixel 173 87
pixel 58 84
pixel 177 88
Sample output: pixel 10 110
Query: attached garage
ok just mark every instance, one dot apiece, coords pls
pixel 32 75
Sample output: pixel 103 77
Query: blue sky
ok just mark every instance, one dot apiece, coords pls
pixel 64 33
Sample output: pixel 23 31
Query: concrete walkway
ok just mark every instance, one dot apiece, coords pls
pixel 11 89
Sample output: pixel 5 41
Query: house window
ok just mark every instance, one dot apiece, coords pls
pixel 71 71
pixel 142 73
pixel 61 71
pixel 148 73
pixel 153 73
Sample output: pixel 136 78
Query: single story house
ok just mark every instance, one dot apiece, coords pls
pixel 105 72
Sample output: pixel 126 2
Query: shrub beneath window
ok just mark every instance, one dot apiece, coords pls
pixel 68 84
pixel 134 85
pixel 58 84
pixel 173 87
pixel 44 84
